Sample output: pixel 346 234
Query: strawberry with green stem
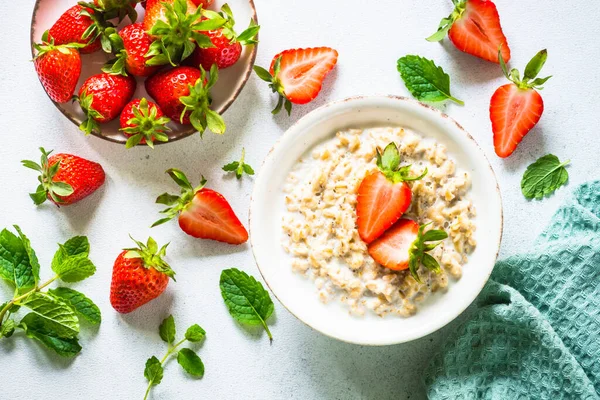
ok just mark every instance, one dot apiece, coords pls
pixel 83 25
pixel 144 122
pixel 58 67
pixel 239 167
pixel 297 75
pixel 183 94
pixel 384 195
pixel 176 25
pixel 64 178
pixel 516 108
pixel 131 45
pixel 201 212
pixel 405 246
pixel 140 274
pixel 227 44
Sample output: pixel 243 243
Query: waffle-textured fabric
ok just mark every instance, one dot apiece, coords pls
pixel 535 329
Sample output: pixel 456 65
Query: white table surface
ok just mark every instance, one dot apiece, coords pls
pixel 301 363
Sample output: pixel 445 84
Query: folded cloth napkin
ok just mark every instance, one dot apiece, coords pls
pixel 535 329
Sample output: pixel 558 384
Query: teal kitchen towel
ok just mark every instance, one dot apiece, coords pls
pixel 535 328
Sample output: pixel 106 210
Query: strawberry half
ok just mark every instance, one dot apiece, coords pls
pixel 176 25
pixel 131 45
pixel 143 122
pixel 405 246
pixel 474 27
pixel 139 275
pixel 517 107
pixel 383 196
pixel 58 67
pixel 227 44
pixel 297 75
pixel 64 178
pixel 203 213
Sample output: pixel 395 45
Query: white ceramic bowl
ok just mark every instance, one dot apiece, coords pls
pixel 230 84
pixel 299 294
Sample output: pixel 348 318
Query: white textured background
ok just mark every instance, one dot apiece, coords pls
pixel 300 364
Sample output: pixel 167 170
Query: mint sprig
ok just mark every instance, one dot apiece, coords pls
pixel 543 177
pixel 246 299
pixel 239 167
pixel 425 80
pixel 53 319
pixel 187 358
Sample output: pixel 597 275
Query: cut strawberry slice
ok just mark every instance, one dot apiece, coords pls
pixel 474 27
pixel 404 246
pixel 517 107
pixel 298 74
pixel 203 213
pixel 383 196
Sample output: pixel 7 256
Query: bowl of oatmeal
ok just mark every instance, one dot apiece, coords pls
pixel 303 223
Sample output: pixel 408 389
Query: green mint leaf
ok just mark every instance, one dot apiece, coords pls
pixel 167 329
pixel 75 269
pixel 543 177
pixel 425 80
pixel 33 260
pixel 190 362
pixel 78 302
pixel 59 318
pixel 15 262
pixel 41 329
pixel 7 328
pixel 153 371
pixel 247 300
pixel 195 333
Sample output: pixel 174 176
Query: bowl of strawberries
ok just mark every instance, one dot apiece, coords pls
pixel 144 72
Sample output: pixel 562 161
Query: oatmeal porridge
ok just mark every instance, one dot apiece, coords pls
pixel 319 225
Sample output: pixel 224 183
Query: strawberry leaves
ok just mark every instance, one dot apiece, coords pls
pixel 419 248
pixel 532 70
pixel 543 177
pixel 425 80
pixel 389 165
pixel 152 256
pixel 247 37
pixel 177 203
pixel 275 85
pixel 446 23
pixel 146 125
pixel 239 167
pixel 47 186
pixel 198 102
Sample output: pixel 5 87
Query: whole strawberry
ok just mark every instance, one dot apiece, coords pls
pixel 64 178
pixel 132 44
pixel 139 275
pixel 227 43
pixel 102 97
pixel 176 26
pixel 517 107
pixel 143 122
pixel 183 94
pixel 58 68
pixel 79 25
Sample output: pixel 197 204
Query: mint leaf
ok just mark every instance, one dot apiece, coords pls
pixel 15 262
pixel 76 246
pixel 59 318
pixel 167 329
pixel 78 302
pixel 190 362
pixel 30 253
pixel 425 80
pixel 71 262
pixel 543 177
pixel 153 371
pixel 7 328
pixel 42 329
pixel 195 333
pixel 248 302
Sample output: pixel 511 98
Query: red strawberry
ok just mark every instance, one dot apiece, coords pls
pixel 203 213
pixel 78 25
pixel 515 108
pixel 102 97
pixel 298 74
pixel 474 27
pixel 178 33
pixel 132 44
pixel 139 275
pixel 144 122
pixel 404 246
pixel 203 3
pixel 58 68
pixel 64 178
pixel 183 93
pixel 383 196
pixel 227 43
